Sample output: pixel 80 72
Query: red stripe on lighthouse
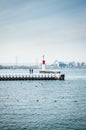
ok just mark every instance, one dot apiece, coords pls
pixel 43 62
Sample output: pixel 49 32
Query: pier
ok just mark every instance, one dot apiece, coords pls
pixel 32 77
pixel 43 74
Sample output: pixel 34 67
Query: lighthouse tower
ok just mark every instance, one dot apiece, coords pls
pixel 43 64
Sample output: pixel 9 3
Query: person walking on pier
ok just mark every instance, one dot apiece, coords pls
pixel 31 71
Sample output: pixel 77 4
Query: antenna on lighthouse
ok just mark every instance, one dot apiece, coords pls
pixel 43 63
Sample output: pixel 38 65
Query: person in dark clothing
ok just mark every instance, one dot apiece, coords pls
pixel 32 71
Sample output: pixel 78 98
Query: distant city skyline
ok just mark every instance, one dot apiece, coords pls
pixel 31 29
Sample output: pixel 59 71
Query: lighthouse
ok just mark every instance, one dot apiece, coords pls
pixel 43 63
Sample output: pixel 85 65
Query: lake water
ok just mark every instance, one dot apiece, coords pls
pixel 44 105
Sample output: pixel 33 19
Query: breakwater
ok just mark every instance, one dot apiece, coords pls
pixel 32 77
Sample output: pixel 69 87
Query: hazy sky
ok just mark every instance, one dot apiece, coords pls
pixel 31 28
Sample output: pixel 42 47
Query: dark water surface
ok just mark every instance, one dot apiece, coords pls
pixel 44 105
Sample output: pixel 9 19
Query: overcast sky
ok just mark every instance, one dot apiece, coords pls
pixel 31 28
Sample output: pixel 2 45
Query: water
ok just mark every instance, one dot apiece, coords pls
pixel 44 105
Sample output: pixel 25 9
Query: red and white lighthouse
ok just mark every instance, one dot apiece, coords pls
pixel 43 63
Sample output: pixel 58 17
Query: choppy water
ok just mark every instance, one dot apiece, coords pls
pixel 44 105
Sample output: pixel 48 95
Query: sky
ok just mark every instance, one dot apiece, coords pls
pixel 30 29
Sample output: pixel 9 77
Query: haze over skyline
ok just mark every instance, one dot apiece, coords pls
pixel 31 28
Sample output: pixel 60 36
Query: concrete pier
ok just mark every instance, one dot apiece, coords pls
pixel 32 77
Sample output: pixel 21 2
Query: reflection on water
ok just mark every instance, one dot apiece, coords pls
pixel 44 105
